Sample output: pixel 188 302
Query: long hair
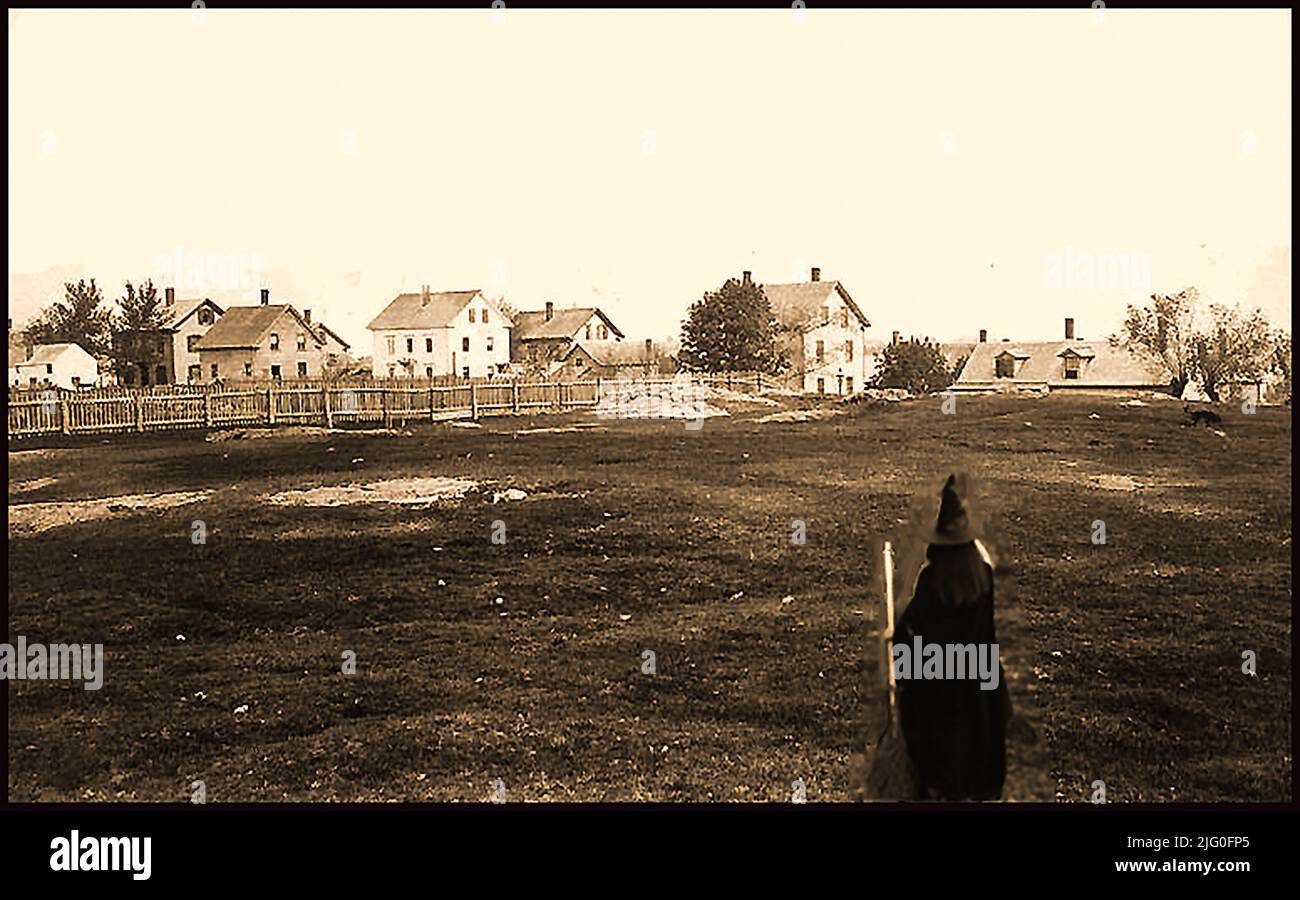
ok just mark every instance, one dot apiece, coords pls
pixel 957 574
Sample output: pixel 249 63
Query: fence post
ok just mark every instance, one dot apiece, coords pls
pixel 383 404
pixel 514 396
pixel 65 425
pixel 207 409
pixel 325 406
pixel 139 412
pixel 431 404
pixel 473 401
pixel 270 406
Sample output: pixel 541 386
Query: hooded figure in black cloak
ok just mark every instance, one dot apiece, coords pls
pixel 955 731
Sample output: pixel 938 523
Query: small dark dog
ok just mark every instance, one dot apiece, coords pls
pixel 1202 416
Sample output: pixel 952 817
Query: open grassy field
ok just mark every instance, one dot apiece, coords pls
pixel 522 661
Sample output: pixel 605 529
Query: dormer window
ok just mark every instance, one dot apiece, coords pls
pixel 205 317
pixel 1073 365
pixel 1005 366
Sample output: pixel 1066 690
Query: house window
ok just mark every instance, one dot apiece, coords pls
pixel 464 371
pixel 821 351
pixel 248 370
pixel 392 346
pixel 275 372
pixel 464 344
pixel 482 316
pixel 1072 367
pixel 391 368
pixel 848 350
pixel 848 384
pixel 601 332
pixel 588 332
pixel 489 343
pixel 196 374
pixel 821 385
pixel 302 369
pixel 275 341
pixel 214 370
pixel 428 345
pixel 410 345
pixel 471 315
pixel 205 317
pixel 428 371
pixel 191 342
pixel 1005 367
pixel 844 318
pixel 302 343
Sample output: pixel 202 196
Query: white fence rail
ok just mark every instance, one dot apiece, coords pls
pixel 71 412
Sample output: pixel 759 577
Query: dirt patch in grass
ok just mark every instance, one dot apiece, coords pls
pixel 404 491
pixel 33 518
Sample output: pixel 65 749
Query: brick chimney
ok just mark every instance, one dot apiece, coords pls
pixel 424 295
pixel 266 296
pixel 649 348
pixel 1069 329
pixel 550 310
pixel 746 277
pixel 306 315
pixel 984 336
pixel 169 296
pixel 816 274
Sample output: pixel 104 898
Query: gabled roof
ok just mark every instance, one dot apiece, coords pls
pixel 1043 364
pixel 45 354
pixel 330 332
pixel 563 324
pixel 799 305
pixel 409 310
pixel 183 309
pixel 246 326
pixel 1080 350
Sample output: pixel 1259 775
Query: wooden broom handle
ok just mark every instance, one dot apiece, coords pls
pixel 887 632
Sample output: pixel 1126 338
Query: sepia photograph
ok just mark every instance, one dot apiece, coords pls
pixel 854 410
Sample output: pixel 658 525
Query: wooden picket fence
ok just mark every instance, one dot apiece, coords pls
pixel 107 411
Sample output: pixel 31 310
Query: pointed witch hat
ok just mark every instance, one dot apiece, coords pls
pixel 952 524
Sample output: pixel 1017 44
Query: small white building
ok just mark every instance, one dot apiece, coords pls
pixel 824 335
pixel 458 333
pixel 57 365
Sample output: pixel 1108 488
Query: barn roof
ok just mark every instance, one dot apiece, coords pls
pixel 1043 364
pixel 564 323
pixel 246 326
pixel 800 304
pixel 409 310
pixel 613 353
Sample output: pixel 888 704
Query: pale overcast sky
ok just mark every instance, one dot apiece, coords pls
pixel 933 162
